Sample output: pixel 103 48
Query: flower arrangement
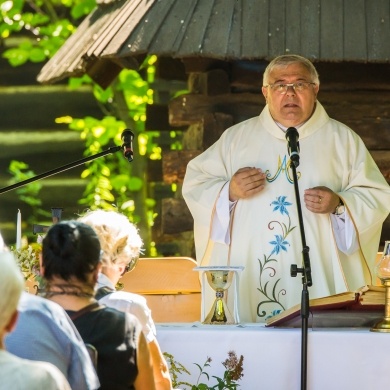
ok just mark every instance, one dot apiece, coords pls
pixel 27 259
pixel 233 373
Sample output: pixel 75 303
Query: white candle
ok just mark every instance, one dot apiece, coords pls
pixel 19 230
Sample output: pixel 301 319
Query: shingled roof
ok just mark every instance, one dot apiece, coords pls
pixel 119 33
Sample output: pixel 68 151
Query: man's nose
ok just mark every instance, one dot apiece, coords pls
pixel 290 90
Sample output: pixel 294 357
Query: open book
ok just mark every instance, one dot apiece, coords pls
pixel 361 308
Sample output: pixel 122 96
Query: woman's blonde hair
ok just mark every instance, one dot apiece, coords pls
pixel 119 238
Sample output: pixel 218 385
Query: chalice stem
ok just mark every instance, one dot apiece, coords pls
pixel 387 301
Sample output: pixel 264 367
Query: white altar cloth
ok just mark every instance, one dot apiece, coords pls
pixel 337 359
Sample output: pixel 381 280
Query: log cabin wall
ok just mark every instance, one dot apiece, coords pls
pixel 223 94
pixel 29 133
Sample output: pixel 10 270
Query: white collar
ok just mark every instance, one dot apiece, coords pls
pixel 103 281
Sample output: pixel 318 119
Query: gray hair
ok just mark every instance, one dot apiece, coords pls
pixel 288 59
pixel 11 287
pixel 119 238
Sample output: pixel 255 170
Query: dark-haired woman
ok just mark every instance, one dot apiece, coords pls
pixel 70 264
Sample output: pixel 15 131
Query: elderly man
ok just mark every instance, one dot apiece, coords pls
pixel 247 174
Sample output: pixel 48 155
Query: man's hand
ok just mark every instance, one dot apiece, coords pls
pixel 321 200
pixel 245 183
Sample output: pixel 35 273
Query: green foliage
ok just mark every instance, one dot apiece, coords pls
pixel 33 31
pixel 41 26
pixel 233 373
pixel 28 193
pixel 175 369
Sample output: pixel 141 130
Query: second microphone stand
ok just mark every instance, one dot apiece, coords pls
pixel 306 279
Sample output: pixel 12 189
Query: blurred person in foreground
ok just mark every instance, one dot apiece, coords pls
pixel 121 245
pixel 70 265
pixel 61 344
pixel 247 175
pixel 17 373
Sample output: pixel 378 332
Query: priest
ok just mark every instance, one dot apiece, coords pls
pixel 241 194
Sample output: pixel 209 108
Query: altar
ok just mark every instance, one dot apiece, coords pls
pixel 338 359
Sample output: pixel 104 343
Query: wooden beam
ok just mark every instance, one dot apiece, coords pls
pixel 211 83
pixel 176 216
pixel 175 164
pixel 191 108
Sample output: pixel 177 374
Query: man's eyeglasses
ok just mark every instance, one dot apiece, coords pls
pixel 297 87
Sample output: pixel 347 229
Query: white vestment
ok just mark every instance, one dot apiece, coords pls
pixel 265 230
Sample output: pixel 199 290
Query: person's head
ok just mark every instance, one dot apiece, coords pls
pixel 119 238
pixel 290 105
pixel 11 287
pixel 71 252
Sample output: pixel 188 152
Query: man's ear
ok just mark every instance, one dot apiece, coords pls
pixel 265 92
pixel 12 322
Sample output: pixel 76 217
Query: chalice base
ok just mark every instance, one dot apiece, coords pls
pixel 219 314
pixel 382 326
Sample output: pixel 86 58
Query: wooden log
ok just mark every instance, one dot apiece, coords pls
pixel 193 137
pixel 157 117
pixel 365 112
pixel 176 216
pixel 213 127
pixel 154 170
pixel 247 76
pixel 175 164
pixel 201 135
pixel 211 83
pixel 168 68
pixel 382 159
pixel 38 107
pixel 191 108
pixel 202 64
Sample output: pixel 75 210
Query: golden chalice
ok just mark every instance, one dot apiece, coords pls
pixel 220 279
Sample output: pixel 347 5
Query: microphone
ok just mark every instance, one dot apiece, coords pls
pixel 127 139
pixel 292 137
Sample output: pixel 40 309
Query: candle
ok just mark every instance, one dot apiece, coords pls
pixel 19 230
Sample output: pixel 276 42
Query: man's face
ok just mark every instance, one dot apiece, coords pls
pixel 291 108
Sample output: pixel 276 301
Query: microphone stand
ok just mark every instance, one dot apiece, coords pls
pixel 60 169
pixel 306 279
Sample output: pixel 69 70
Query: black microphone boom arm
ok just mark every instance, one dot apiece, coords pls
pixel 110 150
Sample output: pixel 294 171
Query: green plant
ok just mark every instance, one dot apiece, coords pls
pixel 29 194
pixel 233 373
pixel 175 369
pixel 32 31
pixel 27 259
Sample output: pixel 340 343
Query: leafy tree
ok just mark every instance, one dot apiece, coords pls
pixel 34 30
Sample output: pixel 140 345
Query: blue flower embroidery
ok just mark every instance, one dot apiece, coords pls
pixel 280 204
pixel 279 244
pixel 268 274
